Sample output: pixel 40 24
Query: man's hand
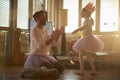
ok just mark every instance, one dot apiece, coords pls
pixel 62 30
pixel 57 33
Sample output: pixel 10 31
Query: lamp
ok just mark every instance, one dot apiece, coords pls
pixel 63 23
pixel 63 17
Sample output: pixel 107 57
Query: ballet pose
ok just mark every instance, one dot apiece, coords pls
pixel 88 44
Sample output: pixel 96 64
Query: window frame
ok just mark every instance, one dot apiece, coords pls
pixel 97 18
pixel 97 28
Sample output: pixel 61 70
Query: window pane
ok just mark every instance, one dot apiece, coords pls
pixel 37 5
pixel 84 3
pixel 109 15
pixel 72 6
pixel 22 14
pixel 4 13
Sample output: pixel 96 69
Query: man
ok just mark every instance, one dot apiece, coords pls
pixel 40 41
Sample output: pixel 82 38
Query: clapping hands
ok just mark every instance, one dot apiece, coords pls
pixel 57 33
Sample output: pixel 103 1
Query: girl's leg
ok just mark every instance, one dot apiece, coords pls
pixel 81 61
pixel 91 61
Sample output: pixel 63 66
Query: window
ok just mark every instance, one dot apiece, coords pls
pixel 22 14
pixel 107 18
pixel 109 15
pixel 38 5
pixel 72 6
pixel 4 13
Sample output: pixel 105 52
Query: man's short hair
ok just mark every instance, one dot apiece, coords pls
pixel 37 14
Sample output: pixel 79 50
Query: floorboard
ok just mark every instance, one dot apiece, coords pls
pixel 13 73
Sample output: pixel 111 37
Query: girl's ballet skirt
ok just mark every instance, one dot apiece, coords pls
pixel 88 44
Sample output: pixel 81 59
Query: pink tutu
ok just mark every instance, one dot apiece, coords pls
pixel 88 44
pixel 37 60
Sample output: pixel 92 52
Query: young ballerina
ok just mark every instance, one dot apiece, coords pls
pixel 88 44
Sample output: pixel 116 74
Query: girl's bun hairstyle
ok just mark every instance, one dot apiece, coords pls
pixel 90 8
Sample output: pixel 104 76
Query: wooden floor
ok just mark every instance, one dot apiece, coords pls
pixel 13 73
pixel 108 69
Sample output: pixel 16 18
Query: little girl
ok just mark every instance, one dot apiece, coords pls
pixel 88 43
